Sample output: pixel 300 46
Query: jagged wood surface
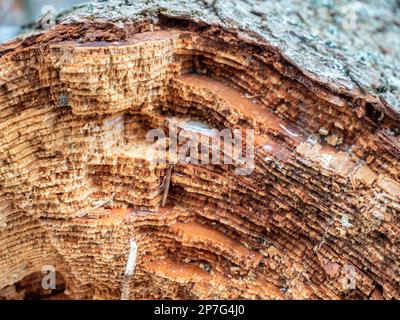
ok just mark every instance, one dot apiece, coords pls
pixel 315 36
pixel 77 181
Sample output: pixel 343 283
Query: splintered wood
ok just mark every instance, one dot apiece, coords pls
pixel 80 190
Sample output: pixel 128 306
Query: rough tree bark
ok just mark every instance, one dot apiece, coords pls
pixel 318 217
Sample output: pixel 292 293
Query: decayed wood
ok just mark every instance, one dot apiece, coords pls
pixel 318 217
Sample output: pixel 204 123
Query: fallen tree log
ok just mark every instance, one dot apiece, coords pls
pixel 83 190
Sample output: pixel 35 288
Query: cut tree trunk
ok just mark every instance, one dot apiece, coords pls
pixel 83 190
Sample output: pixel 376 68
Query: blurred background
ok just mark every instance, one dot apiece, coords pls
pixel 15 13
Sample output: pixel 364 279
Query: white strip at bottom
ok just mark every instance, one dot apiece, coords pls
pixel 129 270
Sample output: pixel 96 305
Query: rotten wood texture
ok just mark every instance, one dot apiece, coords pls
pixel 318 217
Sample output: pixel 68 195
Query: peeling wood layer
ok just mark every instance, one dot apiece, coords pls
pixel 321 205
